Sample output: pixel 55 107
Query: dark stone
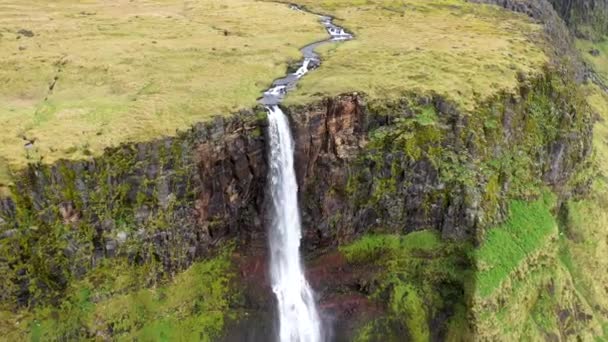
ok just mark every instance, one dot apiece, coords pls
pixel 25 33
pixel 594 52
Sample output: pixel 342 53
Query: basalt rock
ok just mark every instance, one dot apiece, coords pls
pixel 588 18
pixel 387 167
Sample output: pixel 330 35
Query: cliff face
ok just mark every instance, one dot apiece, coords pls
pixel 168 202
pixel 417 163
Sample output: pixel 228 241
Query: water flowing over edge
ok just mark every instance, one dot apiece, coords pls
pixel 299 319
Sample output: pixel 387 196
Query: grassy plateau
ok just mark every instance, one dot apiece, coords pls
pixel 79 76
pixel 458 49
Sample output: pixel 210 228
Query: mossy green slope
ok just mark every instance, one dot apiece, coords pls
pixel 420 278
pixel 552 287
pixel 110 303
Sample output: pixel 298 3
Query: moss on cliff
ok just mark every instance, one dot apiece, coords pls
pixel 587 18
pixel 469 164
pixel 111 302
pixel 527 287
pixel 422 284
pixel 505 247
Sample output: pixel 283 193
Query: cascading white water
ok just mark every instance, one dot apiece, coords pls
pixel 298 315
pixel 299 319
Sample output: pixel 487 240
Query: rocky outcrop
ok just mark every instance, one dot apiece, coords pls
pixel 419 163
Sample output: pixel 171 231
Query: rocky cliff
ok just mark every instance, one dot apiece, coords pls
pixel 587 18
pixel 417 163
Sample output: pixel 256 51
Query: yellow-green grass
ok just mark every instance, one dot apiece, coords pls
pixel 133 70
pixel 461 50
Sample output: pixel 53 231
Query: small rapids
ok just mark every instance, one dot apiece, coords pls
pixel 299 319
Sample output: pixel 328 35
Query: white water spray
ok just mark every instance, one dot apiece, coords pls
pixel 299 319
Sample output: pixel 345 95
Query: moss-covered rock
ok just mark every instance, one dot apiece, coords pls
pixel 423 163
pixel 163 205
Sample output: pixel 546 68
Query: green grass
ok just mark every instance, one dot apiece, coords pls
pixel 133 70
pixel 192 307
pixel 507 246
pixel 526 309
pixel 461 50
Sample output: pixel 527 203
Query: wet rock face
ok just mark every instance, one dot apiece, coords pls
pixel 328 137
pixel 232 171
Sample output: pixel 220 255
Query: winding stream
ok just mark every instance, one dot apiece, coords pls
pixel 299 319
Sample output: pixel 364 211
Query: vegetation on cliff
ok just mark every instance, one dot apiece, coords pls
pixel 421 279
pixel 474 163
pixel 587 18
pixel 463 189
pixel 112 303
pixel 556 290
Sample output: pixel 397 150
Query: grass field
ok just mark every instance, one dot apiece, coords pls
pixel 78 76
pixel 461 50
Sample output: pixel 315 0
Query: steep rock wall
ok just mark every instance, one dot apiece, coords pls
pixel 419 163
pixel 588 18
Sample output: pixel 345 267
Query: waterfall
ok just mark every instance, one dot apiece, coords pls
pixel 298 315
pixel 299 319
